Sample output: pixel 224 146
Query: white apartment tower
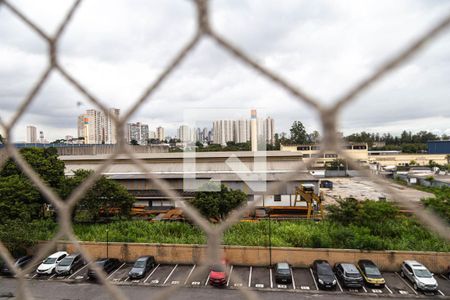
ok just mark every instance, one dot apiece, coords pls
pixel 223 132
pixel 186 134
pixel 160 133
pixel 31 134
pixel 97 128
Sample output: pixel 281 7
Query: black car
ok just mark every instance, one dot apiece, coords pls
pixel 142 265
pixel 283 273
pixel 323 274
pixel 69 264
pixel 21 262
pixel 107 265
pixel 348 275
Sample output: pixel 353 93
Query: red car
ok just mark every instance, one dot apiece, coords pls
pixel 218 275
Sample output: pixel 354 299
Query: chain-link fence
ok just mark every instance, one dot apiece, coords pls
pixel 328 116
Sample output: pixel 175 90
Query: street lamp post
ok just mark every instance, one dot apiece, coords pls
pixel 107 243
pixel 270 241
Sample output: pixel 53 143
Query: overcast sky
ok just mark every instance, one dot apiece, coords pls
pixel 117 48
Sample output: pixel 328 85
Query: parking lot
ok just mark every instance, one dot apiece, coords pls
pixel 260 278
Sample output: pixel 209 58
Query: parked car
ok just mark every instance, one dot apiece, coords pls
pixel 21 262
pixel 107 265
pixel 348 275
pixel 447 273
pixel 142 265
pixel 370 273
pixel 218 274
pixel 419 276
pixel 283 273
pixel 69 264
pixel 323 273
pixel 48 266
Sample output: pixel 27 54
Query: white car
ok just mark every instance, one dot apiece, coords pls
pixel 48 266
pixel 420 277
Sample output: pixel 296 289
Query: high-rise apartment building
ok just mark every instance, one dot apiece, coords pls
pixel 31 134
pixel 240 131
pixel 186 134
pixel 138 132
pixel 223 131
pixel 160 133
pixel 97 128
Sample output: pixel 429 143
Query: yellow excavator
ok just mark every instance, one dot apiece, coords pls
pixel 305 193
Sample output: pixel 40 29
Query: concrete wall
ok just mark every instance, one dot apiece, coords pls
pixel 259 256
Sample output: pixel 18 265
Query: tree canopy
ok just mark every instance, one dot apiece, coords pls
pixel 104 196
pixel 217 205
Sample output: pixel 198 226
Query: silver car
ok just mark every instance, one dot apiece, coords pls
pixel 418 274
pixel 69 264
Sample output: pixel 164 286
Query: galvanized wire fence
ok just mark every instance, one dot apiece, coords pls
pixel 330 141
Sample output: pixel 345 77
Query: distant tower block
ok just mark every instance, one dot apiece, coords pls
pixel 254 134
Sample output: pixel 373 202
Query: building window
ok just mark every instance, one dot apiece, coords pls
pixel 306 155
pixel 277 198
pixel 315 147
pixel 302 148
pixel 359 147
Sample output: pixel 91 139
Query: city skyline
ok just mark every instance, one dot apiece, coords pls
pixel 305 49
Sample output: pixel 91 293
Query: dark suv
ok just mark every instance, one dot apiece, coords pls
pixel 142 265
pixel 348 275
pixel 323 274
pixel 21 263
pixel 107 265
pixel 283 273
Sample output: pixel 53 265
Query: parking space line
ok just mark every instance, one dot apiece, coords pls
pixel 250 277
pixel 442 275
pixel 293 280
pixel 115 271
pixel 151 273
pixel 229 275
pixel 77 271
pixel 315 282
pixel 34 275
pixel 207 279
pixel 189 275
pixel 407 284
pixel 364 288
pixel 128 277
pixel 439 291
pixel 54 274
pixel 271 281
pixel 170 274
pixel 385 285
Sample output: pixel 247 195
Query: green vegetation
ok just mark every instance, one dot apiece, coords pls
pixel 106 194
pixel 217 205
pixel 369 225
pixel 441 201
pixel 407 142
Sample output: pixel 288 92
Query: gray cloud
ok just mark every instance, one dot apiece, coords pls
pixel 117 49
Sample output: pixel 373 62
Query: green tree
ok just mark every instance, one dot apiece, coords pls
pixel 218 205
pixel 18 199
pixel 298 133
pixel 45 162
pixel 336 164
pixel 104 195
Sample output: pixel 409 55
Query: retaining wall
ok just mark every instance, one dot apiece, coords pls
pixel 260 256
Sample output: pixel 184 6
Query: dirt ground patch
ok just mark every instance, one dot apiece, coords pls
pixel 362 188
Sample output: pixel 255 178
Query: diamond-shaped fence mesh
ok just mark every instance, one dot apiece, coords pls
pixel 330 141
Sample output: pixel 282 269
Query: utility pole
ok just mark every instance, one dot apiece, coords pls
pixel 107 243
pixel 270 240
